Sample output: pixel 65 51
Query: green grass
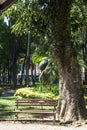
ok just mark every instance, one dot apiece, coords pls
pixel 6 107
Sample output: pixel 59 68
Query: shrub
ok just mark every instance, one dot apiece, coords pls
pixel 31 93
pixel 47 89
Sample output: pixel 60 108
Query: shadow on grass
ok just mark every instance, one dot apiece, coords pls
pixel 6 107
pixel 8 98
pixel 6 115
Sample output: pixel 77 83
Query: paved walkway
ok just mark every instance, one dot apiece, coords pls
pixel 38 126
pixel 7 93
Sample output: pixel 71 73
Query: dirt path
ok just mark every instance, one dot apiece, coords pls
pixel 38 126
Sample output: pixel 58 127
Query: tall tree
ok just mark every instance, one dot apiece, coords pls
pixel 71 103
pixel 54 18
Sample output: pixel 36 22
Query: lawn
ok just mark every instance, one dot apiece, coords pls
pixel 6 107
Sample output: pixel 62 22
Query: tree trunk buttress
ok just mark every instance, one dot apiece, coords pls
pixel 71 102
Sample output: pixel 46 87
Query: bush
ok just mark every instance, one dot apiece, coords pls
pixel 47 89
pixel 31 93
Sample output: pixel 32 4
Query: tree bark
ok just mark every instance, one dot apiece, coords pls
pixel 71 101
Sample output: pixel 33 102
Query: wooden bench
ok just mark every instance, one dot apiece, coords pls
pixel 35 106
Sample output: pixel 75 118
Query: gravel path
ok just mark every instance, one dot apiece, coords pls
pixel 38 126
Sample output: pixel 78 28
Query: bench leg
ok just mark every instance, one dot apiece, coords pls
pixel 16 117
pixel 54 119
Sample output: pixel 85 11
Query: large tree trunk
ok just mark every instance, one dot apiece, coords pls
pixel 71 103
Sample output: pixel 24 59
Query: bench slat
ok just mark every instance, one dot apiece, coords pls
pixel 35 104
pixel 36 111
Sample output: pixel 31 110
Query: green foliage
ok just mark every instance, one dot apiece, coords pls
pixel 49 72
pixel 78 29
pixel 36 58
pixel 47 89
pixel 34 93
pixel 35 16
